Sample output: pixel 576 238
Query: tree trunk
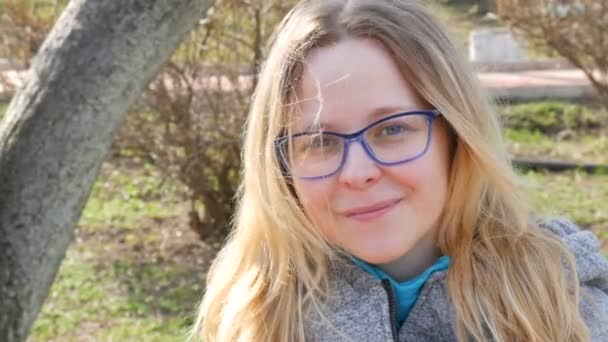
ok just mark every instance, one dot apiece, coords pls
pixel 98 58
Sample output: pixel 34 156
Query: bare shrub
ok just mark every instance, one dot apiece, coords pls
pixel 190 122
pixel 576 29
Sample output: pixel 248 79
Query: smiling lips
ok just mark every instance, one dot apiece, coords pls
pixel 371 212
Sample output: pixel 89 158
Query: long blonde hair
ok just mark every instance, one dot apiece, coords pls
pixel 508 280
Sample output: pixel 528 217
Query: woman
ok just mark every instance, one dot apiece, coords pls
pixel 378 202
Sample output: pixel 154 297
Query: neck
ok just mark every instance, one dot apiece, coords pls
pixel 415 261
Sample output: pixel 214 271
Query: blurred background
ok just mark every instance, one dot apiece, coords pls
pixel 160 207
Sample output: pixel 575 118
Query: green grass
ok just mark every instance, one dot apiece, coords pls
pixel 578 196
pixel 550 117
pixel 589 148
pixel 123 198
pixel 134 271
pixel 557 130
pixel 532 138
pixel 568 132
pixel 120 301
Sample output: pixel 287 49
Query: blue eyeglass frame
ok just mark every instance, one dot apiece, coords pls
pixel 358 136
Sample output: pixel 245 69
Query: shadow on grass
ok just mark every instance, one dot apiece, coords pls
pixel 165 290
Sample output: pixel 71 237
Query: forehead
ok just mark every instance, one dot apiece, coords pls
pixel 349 83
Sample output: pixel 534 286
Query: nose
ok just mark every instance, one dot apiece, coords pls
pixel 359 170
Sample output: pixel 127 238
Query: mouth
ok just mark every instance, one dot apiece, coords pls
pixel 371 212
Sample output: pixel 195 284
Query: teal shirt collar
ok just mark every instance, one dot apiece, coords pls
pixel 407 291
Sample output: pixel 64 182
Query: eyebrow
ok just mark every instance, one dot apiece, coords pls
pixel 373 116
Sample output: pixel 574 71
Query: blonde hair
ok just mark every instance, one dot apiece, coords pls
pixel 508 280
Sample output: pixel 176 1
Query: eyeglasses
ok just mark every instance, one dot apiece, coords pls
pixel 396 139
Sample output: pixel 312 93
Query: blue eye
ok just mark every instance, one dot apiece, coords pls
pixel 392 130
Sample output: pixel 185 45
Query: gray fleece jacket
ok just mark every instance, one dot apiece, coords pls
pixel 362 307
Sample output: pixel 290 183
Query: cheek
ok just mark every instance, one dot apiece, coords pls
pixel 424 181
pixel 415 178
pixel 315 197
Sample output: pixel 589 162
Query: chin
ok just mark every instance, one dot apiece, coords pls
pixel 379 258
